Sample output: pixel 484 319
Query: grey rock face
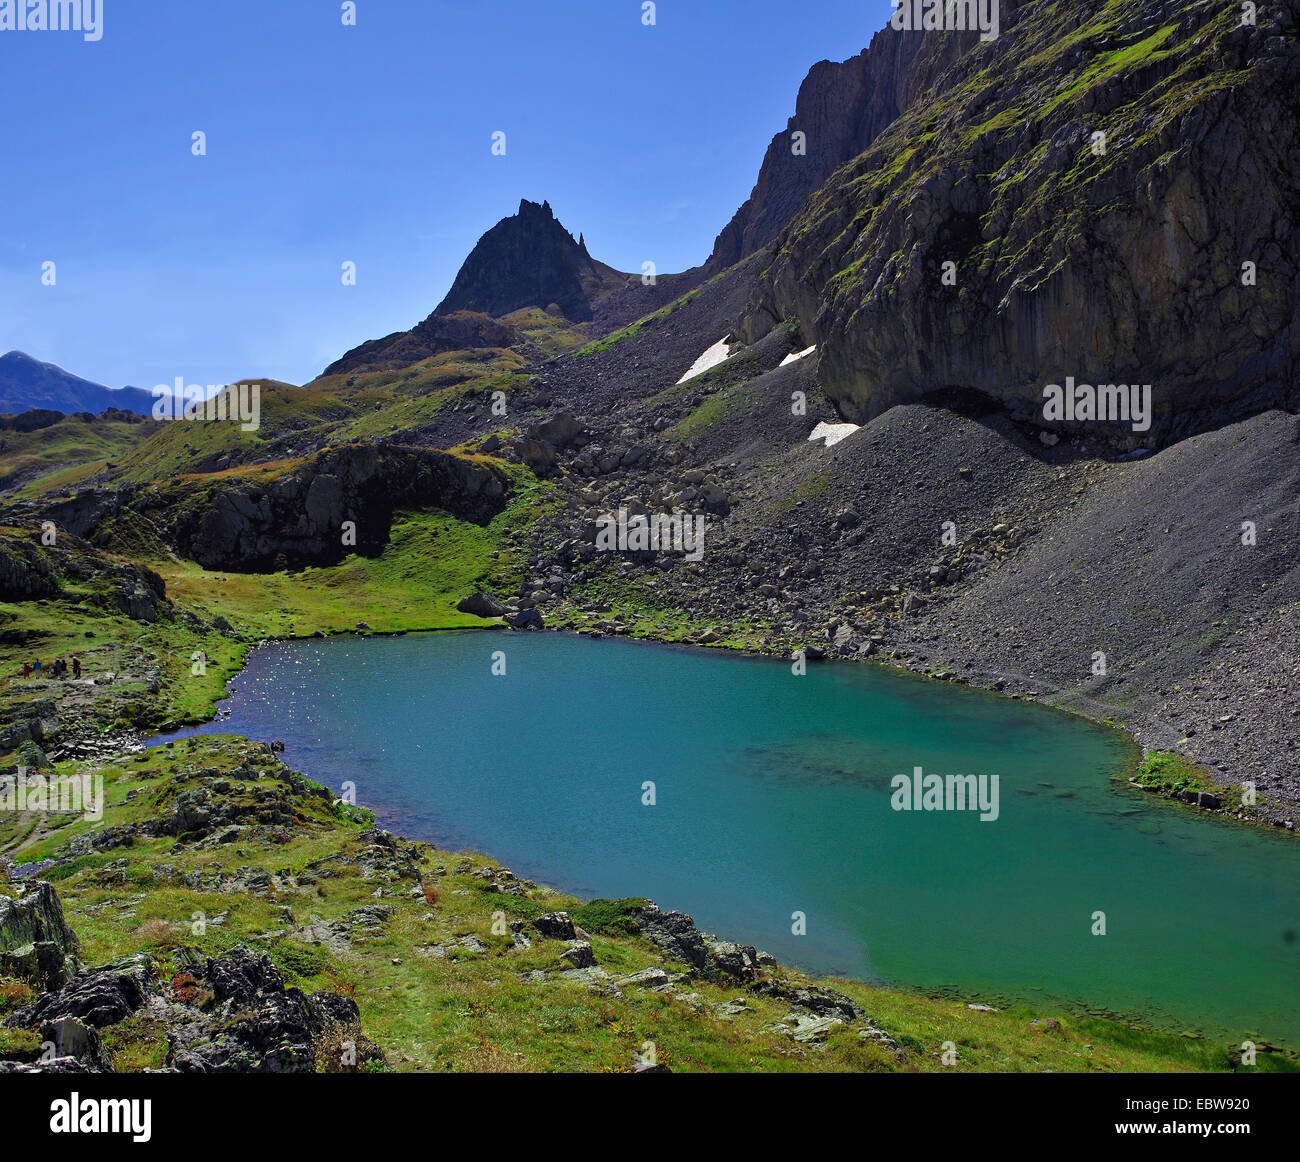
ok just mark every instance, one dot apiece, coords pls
pixel 98 998
pixel 298 518
pixel 36 943
pixel 675 935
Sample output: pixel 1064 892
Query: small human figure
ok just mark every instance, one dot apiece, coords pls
pixel 38 667
pixel 27 669
pixel 76 667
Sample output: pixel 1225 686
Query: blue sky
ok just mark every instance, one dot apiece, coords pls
pixel 369 144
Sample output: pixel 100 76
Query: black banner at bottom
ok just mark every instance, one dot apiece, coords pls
pixel 150 1112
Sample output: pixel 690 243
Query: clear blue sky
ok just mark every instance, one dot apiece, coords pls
pixel 369 144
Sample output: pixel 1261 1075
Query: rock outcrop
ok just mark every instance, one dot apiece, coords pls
pixel 26 572
pixel 675 935
pixel 35 721
pixel 98 997
pixel 36 944
pixel 297 519
pixel 226 1014
pixel 253 1024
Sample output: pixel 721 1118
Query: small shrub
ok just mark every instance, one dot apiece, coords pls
pixel 300 961
pixel 1169 771
pixel 608 917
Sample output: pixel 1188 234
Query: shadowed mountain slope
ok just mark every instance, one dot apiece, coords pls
pixel 27 383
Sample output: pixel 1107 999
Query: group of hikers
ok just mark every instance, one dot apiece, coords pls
pixel 57 668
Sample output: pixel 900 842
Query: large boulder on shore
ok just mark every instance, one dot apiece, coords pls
pixel 526 619
pixel 481 605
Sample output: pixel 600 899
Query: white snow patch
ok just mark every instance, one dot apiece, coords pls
pixel 833 433
pixel 795 355
pixel 711 358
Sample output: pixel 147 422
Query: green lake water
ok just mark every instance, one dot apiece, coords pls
pixel 774 797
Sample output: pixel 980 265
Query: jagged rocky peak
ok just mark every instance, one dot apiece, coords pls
pixel 527 260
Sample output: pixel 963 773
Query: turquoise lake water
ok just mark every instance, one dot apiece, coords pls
pixel 774 797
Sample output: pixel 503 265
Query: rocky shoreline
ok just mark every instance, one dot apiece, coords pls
pixel 234 1013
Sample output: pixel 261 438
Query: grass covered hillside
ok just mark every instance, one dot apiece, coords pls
pixel 67 452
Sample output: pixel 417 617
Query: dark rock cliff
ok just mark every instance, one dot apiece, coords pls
pixel 841 109
pixel 297 519
pixel 1118 259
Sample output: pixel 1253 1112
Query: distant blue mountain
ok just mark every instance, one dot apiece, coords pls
pixel 27 383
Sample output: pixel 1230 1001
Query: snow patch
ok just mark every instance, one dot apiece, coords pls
pixel 833 433
pixel 796 355
pixel 711 358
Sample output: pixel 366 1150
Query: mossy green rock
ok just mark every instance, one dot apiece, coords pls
pixel 36 944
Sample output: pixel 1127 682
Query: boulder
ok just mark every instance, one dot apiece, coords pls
pixel 526 619
pixel 736 960
pixel 579 954
pixel 539 455
pixel 559 430
pixel 555 926
pixel 1201 799
pixel 481 605
pixel 77 1040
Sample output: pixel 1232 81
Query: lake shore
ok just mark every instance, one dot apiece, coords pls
pixel 1107 794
